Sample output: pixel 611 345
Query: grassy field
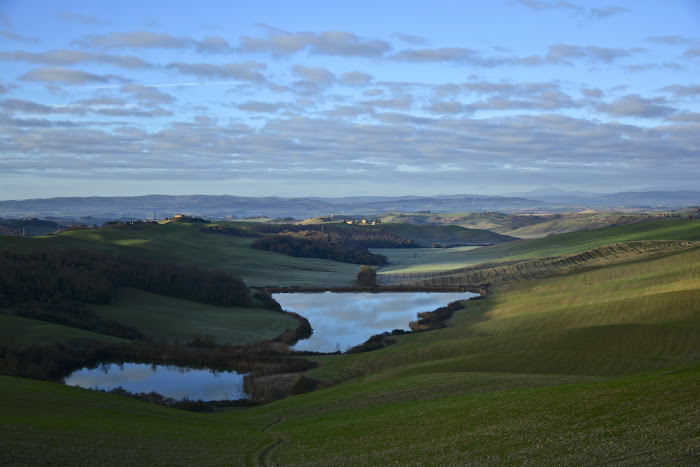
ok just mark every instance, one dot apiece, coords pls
pixel 523 225
pixel 564 244
pixel 606 321
pixel 427 235
pixel 16 331
pixel 185 244
pixel 179 320
pixel 444 418
pixel 599 365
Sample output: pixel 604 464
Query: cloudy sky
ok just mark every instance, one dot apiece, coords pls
pixel 331 98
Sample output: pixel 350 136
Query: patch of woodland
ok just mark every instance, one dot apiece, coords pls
pixel 316 244
pixel 230 231
pixel 360 237
pixel 29 227
pixel 436 319
pixel 377 341
pixel 57 285
pixel 129 225
pixel 190 220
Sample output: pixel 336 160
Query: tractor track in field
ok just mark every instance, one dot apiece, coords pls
pixel 262 455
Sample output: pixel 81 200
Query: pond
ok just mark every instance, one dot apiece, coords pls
pixel 169 381
pixel 343 320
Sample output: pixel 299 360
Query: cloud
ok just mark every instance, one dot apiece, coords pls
pixel 671 40
pixel 633 105
pixel 560 53
pixel 595 13
pixel 680 90
pixel 348 45
pixel 654 66
pixel 66 76
pixel 29 107
pixel 409 38
pixel 72 57
pixel 607 11
pixel 245 71
pixel 400 102
pixel 106 107
pixel 537 5
pixel 692 53
pixel 446 107
pixel 133 112
pixel 334 43
pixel 686 117
pixel 71 17
pixel 450 150
pixel 356 78
pixel 316 75
pixel 17 37
pixel 510 89
pixel 593 93
pixel 147 95
pixel 101 101
pixel 214 44
pixel 443 54
pixel 263 107
pixel 136 39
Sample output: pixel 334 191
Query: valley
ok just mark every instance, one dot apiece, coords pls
pixel 579 339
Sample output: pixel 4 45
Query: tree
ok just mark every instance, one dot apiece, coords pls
pixel 367 275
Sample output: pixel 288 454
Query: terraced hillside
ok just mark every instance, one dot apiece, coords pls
pixel 527 269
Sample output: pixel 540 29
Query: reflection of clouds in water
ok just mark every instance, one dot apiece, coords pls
pixel 350 319
pixel 170 381
pixel 109 374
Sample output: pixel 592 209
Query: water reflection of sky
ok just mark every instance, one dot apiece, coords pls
pixel 343 320
pixel 170 381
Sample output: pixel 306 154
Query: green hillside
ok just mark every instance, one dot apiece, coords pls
pixel 184 244
pixel 564 244
pixel 16 331
pixel 595 361
pixel 428 235
pixel 179 320
pixel 521 225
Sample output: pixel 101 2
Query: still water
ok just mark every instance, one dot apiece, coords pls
pixel 343 320
pixel 169 381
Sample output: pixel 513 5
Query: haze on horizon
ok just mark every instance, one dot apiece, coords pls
pixel 347 98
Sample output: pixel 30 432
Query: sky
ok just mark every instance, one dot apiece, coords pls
pixel 331 98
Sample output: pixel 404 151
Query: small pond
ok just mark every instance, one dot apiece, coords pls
pixel 169 381
pixel 343 320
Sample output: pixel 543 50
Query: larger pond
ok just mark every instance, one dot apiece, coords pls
pixel 343 320
pixel 169 381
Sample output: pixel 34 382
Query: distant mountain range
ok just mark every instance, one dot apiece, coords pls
pixel 222 206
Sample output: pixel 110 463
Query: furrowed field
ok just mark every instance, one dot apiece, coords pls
pixel 587 356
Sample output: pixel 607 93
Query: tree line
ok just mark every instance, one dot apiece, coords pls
pixel 351 237
pixel 56 285
pixel 317 244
